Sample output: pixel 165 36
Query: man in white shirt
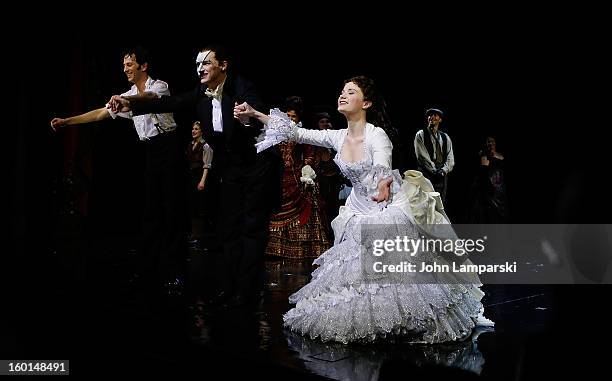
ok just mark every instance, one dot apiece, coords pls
pixel 434 151
pixel 163 251
pixel 250 181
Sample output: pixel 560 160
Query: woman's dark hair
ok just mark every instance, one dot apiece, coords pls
pixel 484 150
pixel 377 113
pixel 321 115
pixel 316 118
pixel 296 104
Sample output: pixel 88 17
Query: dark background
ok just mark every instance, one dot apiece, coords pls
pixel 530 90
pixel 531 77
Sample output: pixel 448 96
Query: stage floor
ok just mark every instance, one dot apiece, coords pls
pixel 78 305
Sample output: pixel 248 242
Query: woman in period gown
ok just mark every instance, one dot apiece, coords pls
pixel 339 303
pixel 297 230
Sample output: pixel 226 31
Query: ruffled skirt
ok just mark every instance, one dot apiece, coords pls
pixel 339 304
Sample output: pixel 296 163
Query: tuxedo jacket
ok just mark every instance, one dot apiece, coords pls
pixel 236 144
pixel 235 157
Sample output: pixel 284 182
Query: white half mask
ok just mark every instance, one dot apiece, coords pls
pixel 200 61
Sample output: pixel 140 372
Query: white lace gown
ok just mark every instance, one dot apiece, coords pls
pixel 338 304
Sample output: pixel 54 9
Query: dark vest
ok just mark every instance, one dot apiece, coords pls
pixel 429 145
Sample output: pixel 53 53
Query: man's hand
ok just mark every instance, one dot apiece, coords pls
pixel 119 104
pixel 201 186
pixel 243 112
pixel 57 123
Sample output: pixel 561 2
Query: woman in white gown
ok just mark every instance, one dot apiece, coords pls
pixel 339 304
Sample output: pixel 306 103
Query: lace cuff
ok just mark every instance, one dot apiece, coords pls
pixel 278 129
pixel 377 173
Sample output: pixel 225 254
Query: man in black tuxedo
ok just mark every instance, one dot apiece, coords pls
pixel 250 182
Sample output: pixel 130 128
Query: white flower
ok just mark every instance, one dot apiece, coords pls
pixel 308 175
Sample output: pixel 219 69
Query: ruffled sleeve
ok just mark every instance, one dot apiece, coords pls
pixel 378 172
pixel 278 129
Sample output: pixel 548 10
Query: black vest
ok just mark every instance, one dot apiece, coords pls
pixel 429 145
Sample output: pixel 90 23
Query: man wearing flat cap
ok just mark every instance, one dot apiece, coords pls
pixel 434 152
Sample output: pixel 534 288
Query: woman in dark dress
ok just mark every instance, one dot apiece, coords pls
pixel 490 203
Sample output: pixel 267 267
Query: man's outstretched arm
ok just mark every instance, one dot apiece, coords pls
pixel 151 103
pixel 88 117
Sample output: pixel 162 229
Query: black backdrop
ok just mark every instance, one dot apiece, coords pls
pixel 530 76
pixel 519 88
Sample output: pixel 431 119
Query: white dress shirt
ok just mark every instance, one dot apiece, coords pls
pixel 217 114
pixel 148 125
pixel 423 155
